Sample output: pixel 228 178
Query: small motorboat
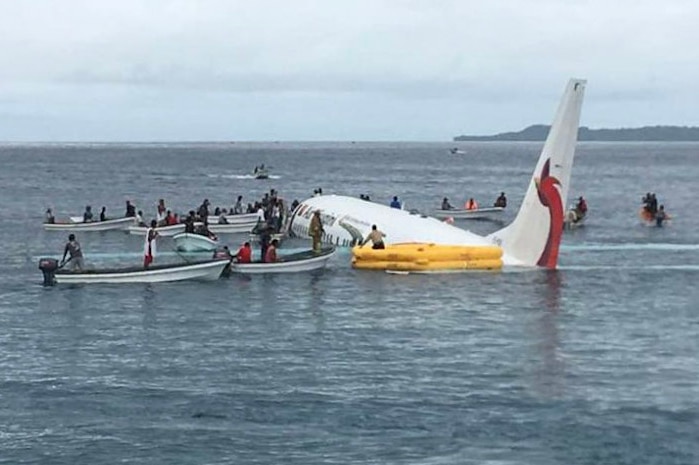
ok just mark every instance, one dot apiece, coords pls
pixel 261 174
pixel 188 242
pixel 108 225
pixel 205 270
pixel 488 213
pixel 648 219
pixel 163 231
pixel 294 263
pixel 456 151
pixel 232 228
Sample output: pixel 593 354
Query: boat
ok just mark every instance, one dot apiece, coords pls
pixel 260 173
pixel 163 231
pixel 572 220
pixel 232 228
pixel 235 219
pixel 532 239
pixel 489 213
pixel 205 270
pixel 188 242
pixel 278 236
pixel 108 225
pixel 293 263
pixel 648 219
pixel 456 151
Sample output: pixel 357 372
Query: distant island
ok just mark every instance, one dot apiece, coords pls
pixel 538 132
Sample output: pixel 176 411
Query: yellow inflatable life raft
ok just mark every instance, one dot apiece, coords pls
pixel 428 257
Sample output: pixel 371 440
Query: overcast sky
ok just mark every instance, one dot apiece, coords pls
pixel 148 70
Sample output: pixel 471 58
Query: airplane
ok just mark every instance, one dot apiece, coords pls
pixel 531 240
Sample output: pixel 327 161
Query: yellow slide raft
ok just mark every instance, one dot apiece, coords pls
pixel 428 257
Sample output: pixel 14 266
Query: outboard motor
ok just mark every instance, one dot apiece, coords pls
pixel 48 266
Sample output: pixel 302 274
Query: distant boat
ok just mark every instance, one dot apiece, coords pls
pixel 108 225
pixel 456 151
pixel 260 172
pixel 488 213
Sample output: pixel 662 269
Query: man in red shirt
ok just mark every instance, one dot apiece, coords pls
pixel 244 254
pixel 271 254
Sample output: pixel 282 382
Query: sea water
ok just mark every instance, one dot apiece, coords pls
pixel 594 363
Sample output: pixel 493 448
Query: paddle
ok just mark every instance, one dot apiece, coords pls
pixel 64 263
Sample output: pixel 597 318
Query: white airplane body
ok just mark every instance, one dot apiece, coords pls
pixel 532 239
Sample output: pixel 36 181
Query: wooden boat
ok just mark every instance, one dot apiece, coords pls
pixel 205 270
pixel 293 263
pixel 489 213
pixel 108 225
pixel 187 242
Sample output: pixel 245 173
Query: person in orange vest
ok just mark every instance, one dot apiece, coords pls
pixel 471 204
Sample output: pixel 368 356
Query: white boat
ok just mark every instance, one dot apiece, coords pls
pixel 489 213
pixel 232 228
pixel 532 239
pixel 187 242
pixel 572 221
pixel 207 270
pixel 108 225
pixel 294 263
pixel 163 231
pixel 261 174
pixel 235 219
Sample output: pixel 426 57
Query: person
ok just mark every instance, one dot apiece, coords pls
pixel 471 204
pixel 271 253
pixel 189 223
pixel 244 254
pixel 222 253
pixel 294 205
pixel 376 238
pixel 76 254
pixel 316 193
pixel 149 246
pixel 50 219
pixel 265 239
pixel 222 217
pixel 315 230
pixel 139 219
pixel 653 203
pixel 660 216
pixel 130 210
pixel 87 216
pixel 170 219
pixel 238 208
pixel 581 208
pixel 260 214
pixel 161 212
pixel 445 204
pixel 276 217
pixel 203 230
pixel 103 214
pixel 395 203
pixel 501 201
pixel 203 211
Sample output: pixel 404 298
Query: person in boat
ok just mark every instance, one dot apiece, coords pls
pixel 87 216
pixel 103 214
pixel 395 203
pixel 660 216
pixel 294 205
pixel 161 212
pixel 255 170
pixel 149 245
pixel 130 210
pixel 203 210
pixel 265 236
pixel 223 252
pixel 446 205
pixel 238 208
pixel 244 254
pixel 170 218
pixel 653 204
pixel 271 253
pixel 222 217
pixel 203 230
pixel 76 254
pixel 50 219
pixel 376 237
pixel 315 230
pixel 471 204
pixel 139 219
pixel 189 223
pixel 580 208
pixel 217 211
pixel 501 201
pixel 276 217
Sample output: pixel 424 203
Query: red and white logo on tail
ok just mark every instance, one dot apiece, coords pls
pixel 534 237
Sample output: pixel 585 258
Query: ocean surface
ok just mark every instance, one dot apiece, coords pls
pixel 595 363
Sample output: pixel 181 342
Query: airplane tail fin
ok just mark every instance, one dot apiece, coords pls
pixel 534 237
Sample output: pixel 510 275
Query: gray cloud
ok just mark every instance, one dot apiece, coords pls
pixel 472 65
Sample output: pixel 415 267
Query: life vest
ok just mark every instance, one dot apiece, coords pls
pixel 471 205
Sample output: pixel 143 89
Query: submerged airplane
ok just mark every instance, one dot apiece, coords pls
pixel 532 239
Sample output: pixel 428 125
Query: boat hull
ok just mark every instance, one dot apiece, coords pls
pixel 209 270
pixel 163 231
pixel 491 213
pixel 109 225
pixel 235 219
pixel 186 242
pixel 295 263
pixel 234 228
